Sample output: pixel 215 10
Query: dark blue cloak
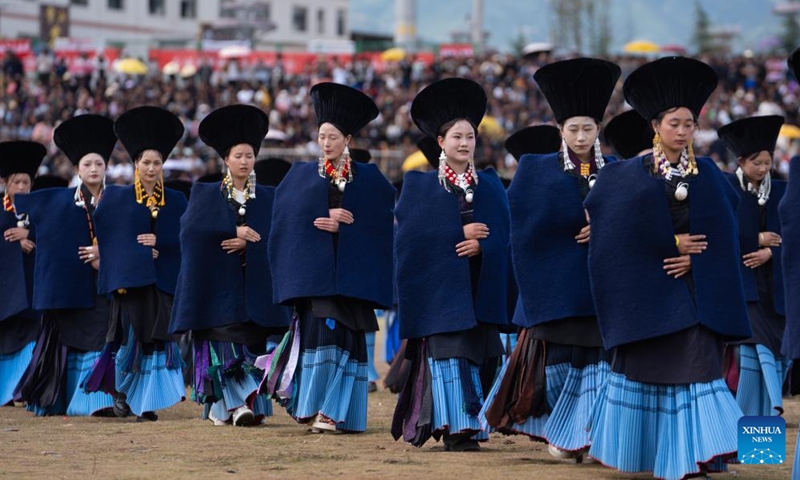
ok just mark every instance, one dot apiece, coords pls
pixel 125 263
pixel 16 273
pixel 302 256
pixel 747 214
pixel 61 279
pixel 433 282
pixel 212 289
pixel 632 234
pixel 550 266
pixel 789 210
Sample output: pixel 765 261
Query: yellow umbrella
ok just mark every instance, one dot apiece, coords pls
pixel 393 55
pixel 415 161
pixel 790 131
pixel 491 127
pixel 641 46
pixel 130 66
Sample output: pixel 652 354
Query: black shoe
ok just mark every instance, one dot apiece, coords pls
pixel 461 443
pixel 121 408
pixel 372 387
pixel 147 417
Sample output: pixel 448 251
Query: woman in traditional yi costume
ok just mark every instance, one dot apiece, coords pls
pixel 549 385
pixel 331 254
pixel 75 316
pixel 629 135
pixel 137 232
pixel 220 296
pixel 663 262
pixel 19 324
pixel 758 361
pixel 452 261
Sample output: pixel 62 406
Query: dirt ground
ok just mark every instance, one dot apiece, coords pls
pixel 181 445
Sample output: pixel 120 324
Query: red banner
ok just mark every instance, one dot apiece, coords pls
pixel 21 47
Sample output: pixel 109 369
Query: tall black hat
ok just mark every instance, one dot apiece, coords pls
pixel 667 83
pixel 447 100
pixel 580 87
pixel 346 108
pixel 229 126
pixel 20 156
pixel 49 181
pixel 271 171
pixel 628 134
pixel 360 155
pixel 85 134
pixel 535 139
pixel 794 63
pixel 751 135
pixel 210 178
pixel 148 128
pixel 431 149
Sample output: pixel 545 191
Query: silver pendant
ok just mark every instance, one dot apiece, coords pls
pixel 21 223
pixel 341 183
pixel 242 211
pixel 592 179
pixel 469 196
pixel 762 201
pixel 682 191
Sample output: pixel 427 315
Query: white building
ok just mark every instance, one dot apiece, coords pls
pixel 139 24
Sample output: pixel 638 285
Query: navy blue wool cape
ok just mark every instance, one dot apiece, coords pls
pixel 789 210
pixel 550 266
pixel 748 239
pixel 16 272
pixel 302 256
pixel 433 282
pixel 61 279
pixel 212 291
pixel 125 262
pixel 632 234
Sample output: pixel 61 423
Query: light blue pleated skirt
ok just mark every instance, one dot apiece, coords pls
pixel 566 428
pixel 236 393
pixel 534 427
pixel 12 367
pixel 761 377
pixel 449 413
pixel 372 374
pixel 151 381
pixel 333 384
pixel 80 403
pixel 665 429
pixel 509 343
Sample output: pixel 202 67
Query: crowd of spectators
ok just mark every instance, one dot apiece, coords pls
pixel 34 102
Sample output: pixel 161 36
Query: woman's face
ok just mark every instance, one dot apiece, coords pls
pixel 18 183
pixel 150 166
pixel 580 134
pixel 240 161
pixel 92 170
pixel 756 168
pixel 458 142
pixel 676 129
pixel 332 141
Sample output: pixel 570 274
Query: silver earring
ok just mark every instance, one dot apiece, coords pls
pixel 346 152
pixel 442 160
pixel 568 165
pixel 598 154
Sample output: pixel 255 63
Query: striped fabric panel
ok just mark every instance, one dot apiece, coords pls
pixel 449 414
pixel 567 427
pixel 760 380
pixel 665 429
pixel 372 374
pixel 80 404
pixel 155 386
pixel 12 367
pixel 332 383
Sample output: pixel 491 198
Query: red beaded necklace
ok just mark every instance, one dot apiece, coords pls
pixel 452 176
pixel 8 206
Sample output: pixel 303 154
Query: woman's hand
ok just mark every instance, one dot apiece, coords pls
pixel 757 258
pixel 155 254
pixel 341 215
pixel 476 231
pixel 247 234
pixel 146 239
pixel 468 248
pixel 233 245
pixel 327 224
pixel 583 236
pixel 691 244
pixel 89 254
pixel 678 266
pixel 769 239
pixel 27 245
pixel 16 234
